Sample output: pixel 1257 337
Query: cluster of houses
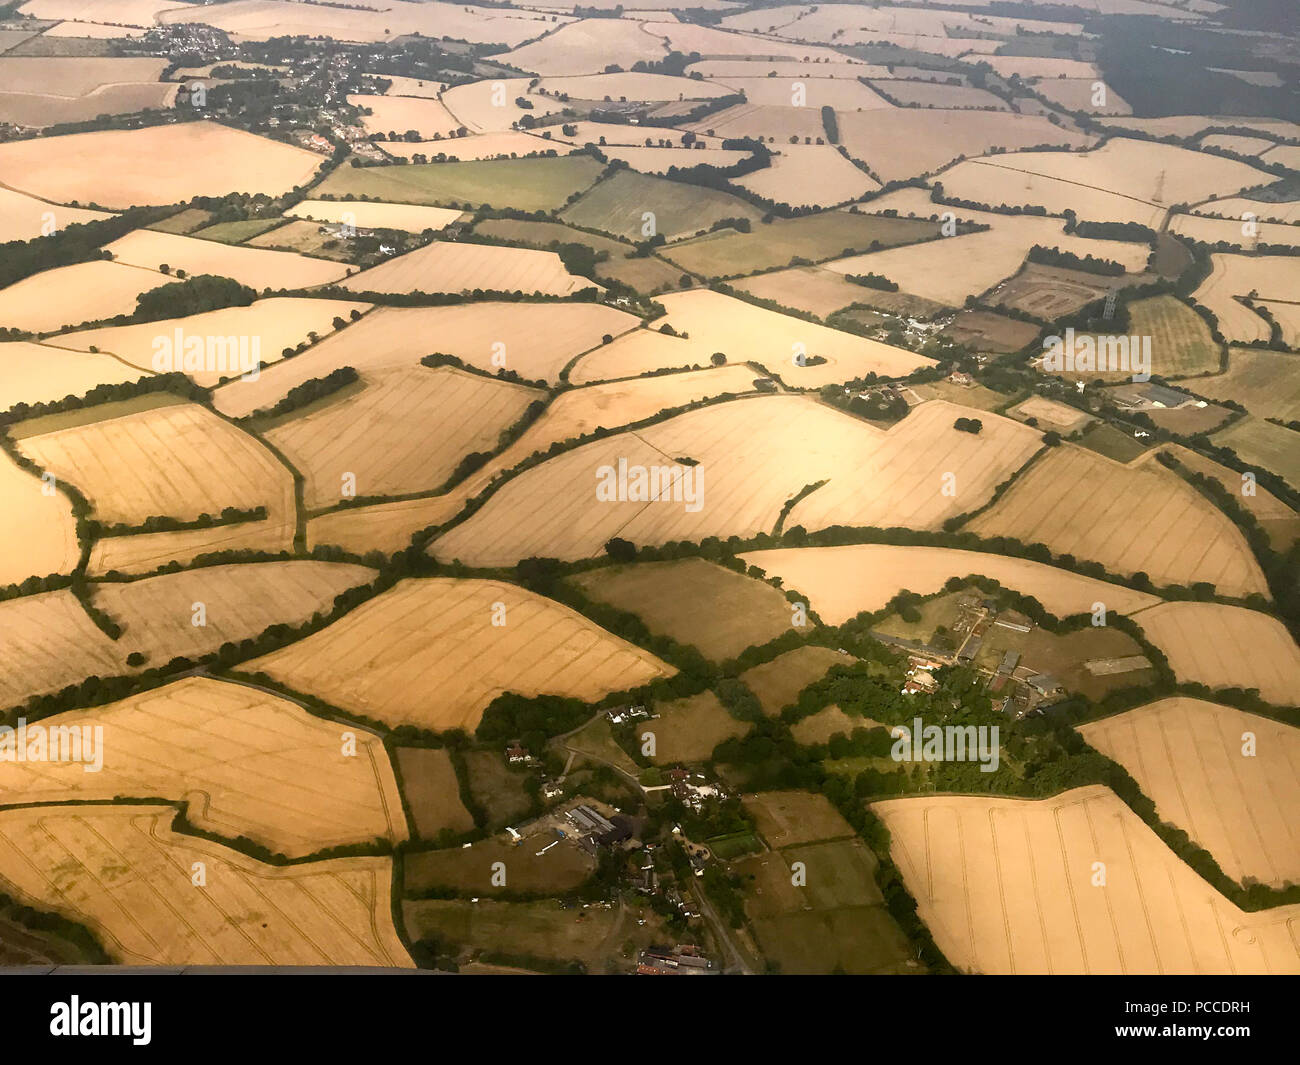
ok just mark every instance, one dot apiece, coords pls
pixel 1016 688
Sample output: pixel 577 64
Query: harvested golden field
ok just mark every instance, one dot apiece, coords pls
pixel 1287 316
pixel 38 534
pixel 903 142
pixel 481 146
pixel 777 123
pixel 176 461
pixel 260 20
pixel 233 337
pixel 582 410
pixel 587 47
pixel 1276 518
pixel 921 472
pixel 446 266
pixel 714 609
pixel 536 340
pixel 1078 94
pixel 1266 383
pixel 1138 518
pixel 1226 647
pixel 754 453
pixel 26 218
pixel 687 730
pixel 124 873
pixel 1233 231
pixel 255 267
pixel 491 107
pixel 791 818
pixel 433 791
pixel 51 641
pixel 41 91
pixel 243 762
pixel 39 373
pixel 1050 414
pixel 240 601
pixel 399 115
pixel 638 352
pixel 1263 444
pixel 386 527
pixel 1269 276
pixel 1190 757
pixel 841 582
pixel 809 175
pixel 752 456
pixel 69 296
pixel 777 684
pixel 741 330
pixel 812 94
pixel 930 94
pixel 427 653
pixel 157 164
pixel 405 431
pixel 815 289
pixel 1006 886
pixel 1133 169
pixel 982 259
pixel 146 552
pixel 405 216
pixel 1234 207
pixel 629 85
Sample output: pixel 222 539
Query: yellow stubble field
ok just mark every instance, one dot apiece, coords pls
pixel 51 642
pixel 177 460
pixel 38 533
pixel 446 266
pixel 258 268
pixel 124 873
pixel 413 218
pixel 40 373
pixel 1190 757
pixel 158 164
pixel 69 296
pixel 405 431
pixel 26 218
pixel 535 340
pixel 922 472
pixel 1226 647
pixel 1007 886
pixel 427 653
pixel 269 326
pixel 244 763
pixel 843 581
pixel 1137 518
pixel 1270 276
pixel 742 330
